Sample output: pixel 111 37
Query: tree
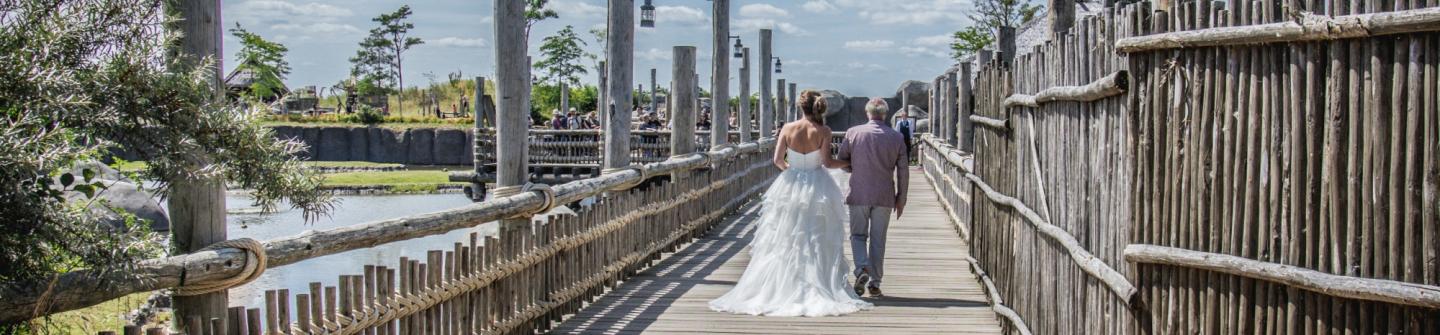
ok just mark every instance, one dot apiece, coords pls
pixel 560 57
pixel 108 86
pixel 968 41
pixel 535 12
pixel 265 60
pixel 380 57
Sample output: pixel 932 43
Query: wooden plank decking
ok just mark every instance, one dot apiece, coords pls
pixel 928 285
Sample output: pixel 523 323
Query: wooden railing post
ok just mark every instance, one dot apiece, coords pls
pixel 477 188
pixel 967 108
pixel 601 98
pixel 1062 17
pixel 782 109
pixel 720 76
pixel 619 57
pixel 197 207
pixel 767 107
pixel 1007 44
pixel 794 109
pixel 654 91
pixel 744 118
pixel 513 106
pixel 951 107
pixel 682 116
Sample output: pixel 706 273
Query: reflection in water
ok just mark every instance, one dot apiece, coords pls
pixel 244 221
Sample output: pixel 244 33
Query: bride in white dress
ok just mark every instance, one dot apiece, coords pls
pixel 797 259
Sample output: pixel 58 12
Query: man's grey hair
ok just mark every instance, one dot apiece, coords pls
pixel 877 108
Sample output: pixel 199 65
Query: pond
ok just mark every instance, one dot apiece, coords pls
pixel 245 221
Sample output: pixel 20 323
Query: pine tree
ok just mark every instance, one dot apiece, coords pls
pixel 265 60
pixel 381 55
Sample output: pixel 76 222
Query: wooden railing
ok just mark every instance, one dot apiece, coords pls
pixel 519 281
pixel 1239 167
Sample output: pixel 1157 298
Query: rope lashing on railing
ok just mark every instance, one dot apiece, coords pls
pixel 1092 265
pixel 254 267
pixel 997 124
pixel 640 170
pixel 372 315
pixel 1381 290
pixel 1109 86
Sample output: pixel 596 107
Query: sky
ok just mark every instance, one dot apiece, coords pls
pixel 857 47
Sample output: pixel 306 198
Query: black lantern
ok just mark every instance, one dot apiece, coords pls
pixel 777 64
pixel 647 15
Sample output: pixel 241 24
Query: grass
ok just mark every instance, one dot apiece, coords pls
pixel 397 178
pixel 352 164
pixel 129 166
pixel 108 315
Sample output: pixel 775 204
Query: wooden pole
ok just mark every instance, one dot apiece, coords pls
pixel 682 116
pixel 720 76
pixel 513 105
pixel 620 59
pixel 782 109
pixel 564 98
pixel 744 118
pixel 197 207
pixel 478 162
pixel 767 107
pixel 1062 17
pixel 967 108
pixel 654 91
pixel 952 106
pixel 602 97
pixel 794 109
pixel 1007 44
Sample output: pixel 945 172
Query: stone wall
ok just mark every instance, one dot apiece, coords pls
pixel 414 146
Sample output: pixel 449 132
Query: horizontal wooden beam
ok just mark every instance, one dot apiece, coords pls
pixel 1389 291
pixel 1109 86
pixel 997 124
pixel 82 288
pixel 1305 27
pixel 997 303
pixel 1116 282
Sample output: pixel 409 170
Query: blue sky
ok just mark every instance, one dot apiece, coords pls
pixel 859 47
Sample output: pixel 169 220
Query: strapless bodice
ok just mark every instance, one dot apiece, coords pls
pixel 797 160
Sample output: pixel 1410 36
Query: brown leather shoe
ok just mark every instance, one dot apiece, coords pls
pixel 860 281
pixel 875 292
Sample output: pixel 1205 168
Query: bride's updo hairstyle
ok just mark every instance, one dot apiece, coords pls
pixel 812 105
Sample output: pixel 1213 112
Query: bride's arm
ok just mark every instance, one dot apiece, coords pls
pixel 780 145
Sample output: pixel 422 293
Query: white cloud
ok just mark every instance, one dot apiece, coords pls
pixel 319 28
pixel 871 45
pixel 919 12
pixel 924 51
pixel 457 42
pixel 680 14
pixel 283 8
pixel 937 40
pixel 487 20
pixel 818 6
pixel 654 55
pixel 865 67
pixel 572 9
pixel 757 24
pixel 762 10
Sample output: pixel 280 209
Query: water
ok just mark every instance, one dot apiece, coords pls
pixel 244 221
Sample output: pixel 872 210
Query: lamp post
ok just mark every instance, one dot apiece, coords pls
pixel 777 65
pixel 647 15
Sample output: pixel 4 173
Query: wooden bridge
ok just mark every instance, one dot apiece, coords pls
pixel 1255 167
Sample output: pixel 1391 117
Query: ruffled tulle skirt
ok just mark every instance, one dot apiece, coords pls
pixel 797 258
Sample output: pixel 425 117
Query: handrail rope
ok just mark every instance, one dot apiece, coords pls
pixel 409 304
pixel 254 266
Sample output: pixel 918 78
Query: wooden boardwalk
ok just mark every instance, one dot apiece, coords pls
pixel 928 285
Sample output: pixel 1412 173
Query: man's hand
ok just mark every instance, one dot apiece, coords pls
pixel 899 207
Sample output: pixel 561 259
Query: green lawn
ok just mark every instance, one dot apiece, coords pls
pixel 352 164
pixel 105 316
pixel 388 178
pixel 128 166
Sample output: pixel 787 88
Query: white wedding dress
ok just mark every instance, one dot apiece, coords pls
pixel 797 259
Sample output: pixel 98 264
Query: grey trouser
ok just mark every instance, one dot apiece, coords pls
pixel 867 240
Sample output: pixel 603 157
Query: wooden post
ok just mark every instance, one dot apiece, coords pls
pixel 967 108
pixel 654 90
pixel 794 109
pixel 720 76
pixel 564 98
pixel 985 56
pixel 1062 17
pixel 767 107
pixel 513 104
pixel 682 116
pixel 478 161
pixel 602 97
pixel 782 109
pixel 952 106
pixel 1007 44
pixel 935 118
pixel 619 57
pixel 744 118
pixel 197 207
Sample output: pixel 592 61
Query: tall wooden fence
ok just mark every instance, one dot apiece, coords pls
pixel 1245 167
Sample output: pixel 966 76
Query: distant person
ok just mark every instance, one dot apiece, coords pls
pixel 557 121
pixel 906 127
pixel 573 120
pixel 704 123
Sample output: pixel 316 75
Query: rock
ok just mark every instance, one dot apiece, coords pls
pixel 359 144
pixel 101 170
pixel 450 147
pixel 469 155
pixel 386 146
pixel 127 197
pixel 917 92
pixel 311 137
pixel 333 144
pixel 834 103
pixel 913 112
pixel 420 143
